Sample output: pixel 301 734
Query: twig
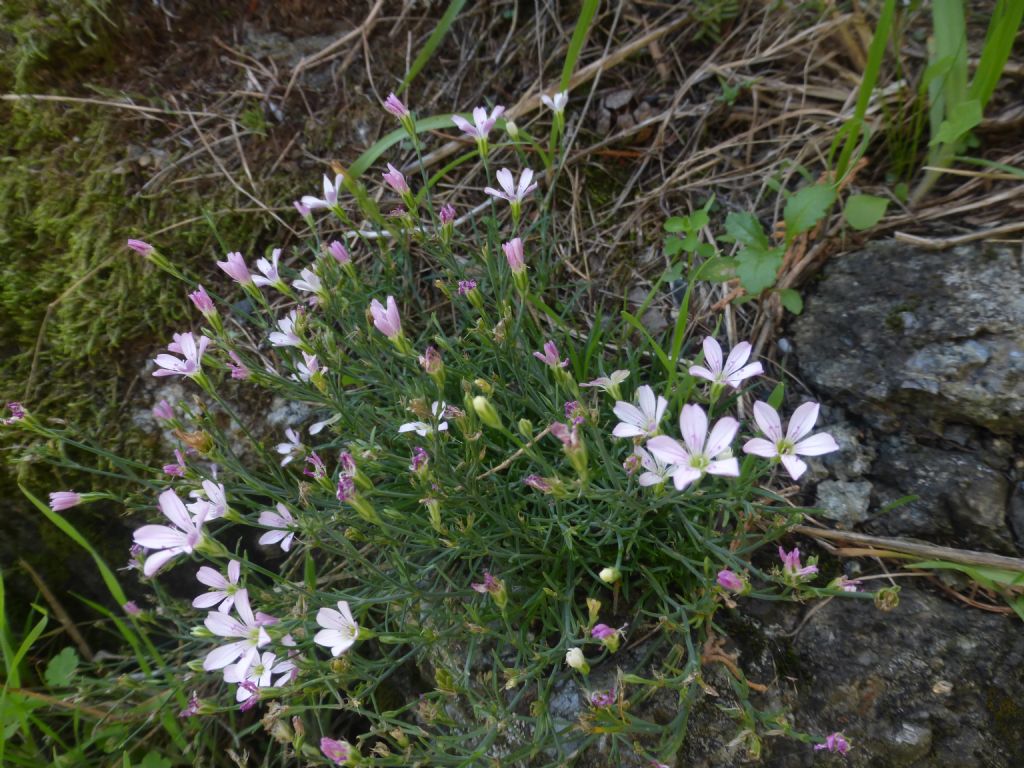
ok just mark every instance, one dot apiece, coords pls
pixel 916 548
pixel 58 610
pixel 939 244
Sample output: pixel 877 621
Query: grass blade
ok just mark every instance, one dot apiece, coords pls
pixel 432 42
pixel 579 39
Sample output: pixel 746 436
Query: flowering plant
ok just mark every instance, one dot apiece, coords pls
pixel 452 516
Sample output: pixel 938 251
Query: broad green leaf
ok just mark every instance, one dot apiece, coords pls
pixel 717 270
pixel 699 220
pixel 61 669
pixel 743 227
pixel 757 268
pixel 864 211
pixel 677 224
pixel 673 245
pixel 775 398
pixel 791 300
pixel 807 207
pixel 966 116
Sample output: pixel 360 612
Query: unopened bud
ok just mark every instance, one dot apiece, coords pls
pixel 487 413
pixel 575 659
pixel 610 575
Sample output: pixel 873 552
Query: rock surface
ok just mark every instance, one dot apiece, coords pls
pixel 899 334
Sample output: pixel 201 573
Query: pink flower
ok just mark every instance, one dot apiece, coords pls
pixel 550 356
pixel 283 525
pixel 339 252
pixel 792 567
pixel 569 436
pixel 642 421
pixel 602 631
pixel 177 469
pixel 131 608
pixel 336 751
pixel 602 699
pixel 465 286
pixel 251 637
pixel 447 214
pixel 393 105
pixel 700 453
pixel 303 210
pixel 656 472
pixel 729 580
pixel 339 628
pixel 394 179
pixel 733 372
pixel 270 275
pixel 193 706
pixel 431 360
pixel 170 542
pixel 202 301
pixel 316 469
pixel 387 321
pixel 61 500
pixel 514 253
pixel 286 336
pixel 163 411
pixel 185 344
pixel 488 585
pixel 509 191
pixel 420 458
pixel 786 448
pixel 346 489
pixel 17 413
pixel 236 268
pixel 308 282
pixel 482 123
pixel 330 198
pixel 834 742
pixel 309 367
pixel 238 368
pixel 223 590
pixel 141 247
pixel 538 483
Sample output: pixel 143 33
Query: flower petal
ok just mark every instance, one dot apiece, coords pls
pixel 816 445
pixel 630 414
pixel 767 419
pixel 223 655
pixel 174 509
pixel 667 451
pixel 157 560
pixel 684 476
pixel 722 435
pixel 693 426
pixel 725 467
pixel 713 354
pixel 159 537
pixel 761 447
pixel 793 465
pixel 738 356
pixel 802 421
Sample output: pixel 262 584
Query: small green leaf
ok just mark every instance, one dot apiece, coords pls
pixel 864 211
pixel 706 251
pixel 61 669
pixel 757 268
pixel 966 116
pixel 775 398
pixel 743 227
pixel 699 220
pixel 677 224
pixel 791 300
pixel 154 759
pixel 673 245
pixel 807 207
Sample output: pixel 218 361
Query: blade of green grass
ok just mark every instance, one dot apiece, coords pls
pixel 1002 31
pixel 579 39
pixel 432 42
pixel 382 145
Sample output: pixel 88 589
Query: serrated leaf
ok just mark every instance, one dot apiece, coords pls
pixel 864 211
pixel 61 669
pixel 757 268
pixel 791 300
pixel 743 227
pixel 966 116
pixel 677 224
pixel 806 207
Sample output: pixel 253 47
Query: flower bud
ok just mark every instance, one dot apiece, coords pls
pixel 487 413
pixel 512 130
pixel 610 575
pixel 575 659
pixel 525 428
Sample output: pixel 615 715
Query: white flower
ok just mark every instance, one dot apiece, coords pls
pixel 330 198
pixel 509 191
pixel 339 631
pixel 292 448
pixel 555 103
pixel 642 421
pixel 422 428
pixel 482 123
pixel 250 633
pixel 286 336
pixel 310 282
pixel 185 345
pixel 733 372
pixel 657 471
pixel 214 505
pixel 701 453
pixel 607 382
pixel 258 675
pixel 269 269
pixel 171 542
pixel 786 448
pixel 283 524
pixel 224 591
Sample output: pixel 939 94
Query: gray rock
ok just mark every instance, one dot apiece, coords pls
pixel 960 497
pixel 845 502
pixel 901 335
pixel 943 687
